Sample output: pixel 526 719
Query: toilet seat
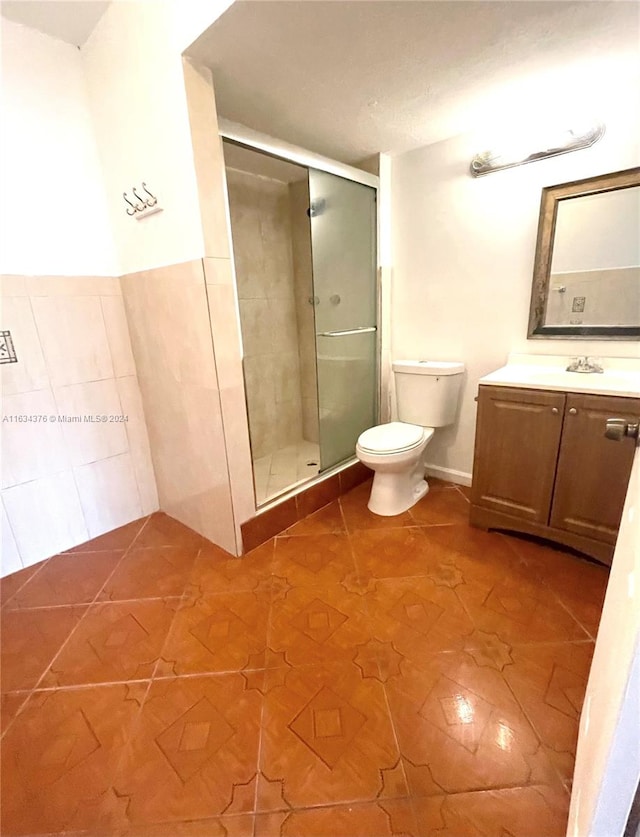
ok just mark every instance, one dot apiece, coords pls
pixel 393 437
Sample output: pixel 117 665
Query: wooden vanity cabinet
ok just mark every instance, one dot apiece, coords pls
pixel 544 467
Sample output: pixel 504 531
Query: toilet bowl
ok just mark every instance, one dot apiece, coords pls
pixel 396 453
pixel 426 396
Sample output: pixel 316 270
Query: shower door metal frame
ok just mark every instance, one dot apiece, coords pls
pixel 255 141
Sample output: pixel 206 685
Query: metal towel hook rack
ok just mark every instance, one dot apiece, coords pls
pixel 153 200
pixel 133 209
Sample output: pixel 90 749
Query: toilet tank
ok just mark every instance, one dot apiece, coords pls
pixel 427 391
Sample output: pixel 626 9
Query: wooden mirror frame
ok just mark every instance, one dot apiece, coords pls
pixel 551 197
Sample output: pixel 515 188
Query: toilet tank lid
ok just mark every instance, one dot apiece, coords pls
pixel 428 367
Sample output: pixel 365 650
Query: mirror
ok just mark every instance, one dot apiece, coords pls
pixel 586 278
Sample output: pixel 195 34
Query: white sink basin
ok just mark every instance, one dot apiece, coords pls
pixel 530 376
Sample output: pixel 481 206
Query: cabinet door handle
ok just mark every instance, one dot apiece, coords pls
pixel 617 429
pixel 555 410
pixel 572 411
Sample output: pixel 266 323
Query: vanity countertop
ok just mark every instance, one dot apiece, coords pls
pixel 621 376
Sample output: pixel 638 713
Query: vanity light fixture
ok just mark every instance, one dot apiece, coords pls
pixel 559 143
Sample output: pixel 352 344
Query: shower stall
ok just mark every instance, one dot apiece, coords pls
pixel 304 246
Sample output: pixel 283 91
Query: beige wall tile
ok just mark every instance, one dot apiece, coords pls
pixel 90 441
pixel 30 372
pixel 10 558
pixel 168 315
pixel 226 334
pixel 132 407
pixel 169 323
pixel 218 271
pixel 54 503
pixel 115 321
pixel 31 449
pixel 73 285
pixel 73 338
pixel 236 429
pixel 12 285
pixel 108 493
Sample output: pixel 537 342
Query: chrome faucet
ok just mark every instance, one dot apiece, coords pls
pixel 584 364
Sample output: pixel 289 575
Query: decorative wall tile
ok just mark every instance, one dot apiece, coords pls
pixel 108 493
pixel 31 448
pixel 30 372
pixel 45 516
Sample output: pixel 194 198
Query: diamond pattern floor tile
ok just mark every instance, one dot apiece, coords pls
pixel 327 736
pixel 114 642
pixel 356 675
pixel 197 738
pixel 60 756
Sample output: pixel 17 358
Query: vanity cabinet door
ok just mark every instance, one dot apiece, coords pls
pixel 517 441
pixel 593 472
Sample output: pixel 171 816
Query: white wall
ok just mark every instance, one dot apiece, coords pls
pixel 133 67
pixel 463 253
pixel 53 212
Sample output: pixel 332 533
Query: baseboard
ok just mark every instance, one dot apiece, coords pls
pixel 449 474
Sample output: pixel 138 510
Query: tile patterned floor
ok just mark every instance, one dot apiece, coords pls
pixel 356 676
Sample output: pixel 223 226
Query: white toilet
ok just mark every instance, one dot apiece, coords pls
pixel 427 397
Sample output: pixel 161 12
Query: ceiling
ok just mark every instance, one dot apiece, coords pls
pixel 69 20
pixel 349 79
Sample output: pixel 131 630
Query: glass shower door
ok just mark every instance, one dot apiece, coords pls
pixel 343 244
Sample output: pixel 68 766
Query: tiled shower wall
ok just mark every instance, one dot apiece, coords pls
pixel 610 296
pixel 66 482
pixel 304 296
pixel 261 230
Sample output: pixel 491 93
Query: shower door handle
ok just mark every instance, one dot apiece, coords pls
pixel 361 330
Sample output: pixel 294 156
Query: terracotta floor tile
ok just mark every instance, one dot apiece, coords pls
pixel 69 578
pixel 114 642
pixel 215 571
pixel 236 826
pixel 315 560
pixel 196 740
pixel 30 641
pixel 60 756
pixel 11 704
pixel 393 553
pixel 417 617
pixel 512 812
pixel 481 554
pixel 326 521
pixel 120 538
pixel 151 572
pixel 162 530
pixel 460 728
pixel 578 583
pixel 394 818
pixel 516 608
pixel 444 505
pixel 318 625
pixel 357 515
pixel 328 738
pixel 412 677
pixel 549 682
pixel 216 633
pixel 10 584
